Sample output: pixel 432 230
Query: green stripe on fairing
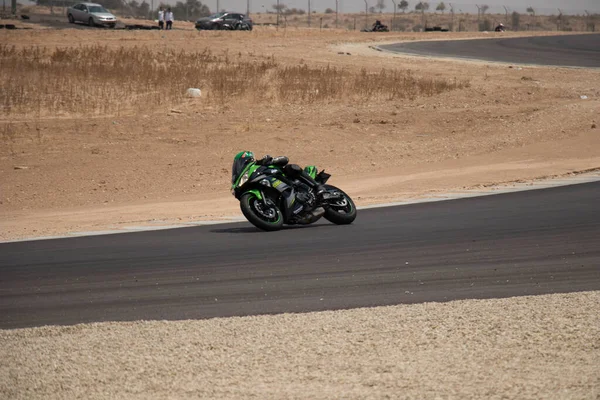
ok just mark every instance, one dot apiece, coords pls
pixel 311 170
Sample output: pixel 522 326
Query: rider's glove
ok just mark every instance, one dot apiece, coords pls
pixel 266 160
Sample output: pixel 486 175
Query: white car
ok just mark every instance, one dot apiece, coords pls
pixel 92 14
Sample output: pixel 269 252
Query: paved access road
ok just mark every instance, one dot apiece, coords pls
pixel 566 50
pixel 524 243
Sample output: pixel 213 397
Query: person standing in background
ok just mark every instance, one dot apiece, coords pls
pixel 169 18
pixel 161 18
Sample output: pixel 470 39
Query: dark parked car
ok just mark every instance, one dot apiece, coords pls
pixel 225 20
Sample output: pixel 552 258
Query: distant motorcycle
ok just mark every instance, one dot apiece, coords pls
pixel 377 27
pixel 240 25
pixel 382 28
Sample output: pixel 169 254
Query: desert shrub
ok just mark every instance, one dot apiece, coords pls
pixel 516 20
pixel 103 80
pixel 485 25
pixel 398 26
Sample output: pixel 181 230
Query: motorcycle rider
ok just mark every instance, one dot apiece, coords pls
pixel 240 22
pixel 292 170
pixel 500 28
pixel 377 25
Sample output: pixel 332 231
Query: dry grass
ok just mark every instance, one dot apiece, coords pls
pixel 92 80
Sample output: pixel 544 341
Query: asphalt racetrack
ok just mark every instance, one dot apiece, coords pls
pixel 523 243
pixel 566 50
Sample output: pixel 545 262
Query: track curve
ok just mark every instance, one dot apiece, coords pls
pixel 563 50
pixel 524 243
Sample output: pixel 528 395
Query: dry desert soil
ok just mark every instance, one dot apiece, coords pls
pixel 72 169
pixel 83 170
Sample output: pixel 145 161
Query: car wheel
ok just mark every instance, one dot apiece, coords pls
pixel 71 19
pixel 91 22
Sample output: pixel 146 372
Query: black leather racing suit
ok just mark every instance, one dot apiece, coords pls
pixel 292 170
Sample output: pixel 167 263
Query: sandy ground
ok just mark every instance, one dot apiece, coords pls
pixel 541 347
pixel 73 173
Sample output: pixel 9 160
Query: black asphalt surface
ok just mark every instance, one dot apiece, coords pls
pixel 566 51
pixel 524 243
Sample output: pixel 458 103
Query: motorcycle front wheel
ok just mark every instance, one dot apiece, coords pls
pixel 340 211
pixel 267 216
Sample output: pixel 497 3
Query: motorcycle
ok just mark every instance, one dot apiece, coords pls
pixel 240 25
pixel 378 28
pixel 271 196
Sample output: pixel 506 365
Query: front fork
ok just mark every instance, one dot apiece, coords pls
pixel 260 195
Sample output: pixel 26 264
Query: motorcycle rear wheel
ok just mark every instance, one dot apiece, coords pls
pixel 267 218
pixel 342 211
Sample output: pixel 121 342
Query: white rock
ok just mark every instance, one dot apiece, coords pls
pixel 194 92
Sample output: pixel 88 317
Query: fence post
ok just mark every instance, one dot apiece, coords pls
pixel 394 17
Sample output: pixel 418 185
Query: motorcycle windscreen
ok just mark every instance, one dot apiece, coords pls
pixel 238 167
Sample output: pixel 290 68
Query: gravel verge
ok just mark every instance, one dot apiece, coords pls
pixel 526 347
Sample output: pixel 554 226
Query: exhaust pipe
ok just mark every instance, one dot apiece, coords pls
pixel 312 216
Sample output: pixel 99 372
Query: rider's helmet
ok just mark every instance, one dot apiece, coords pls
pixel 244 154
pixel 240 161
pixel 501 24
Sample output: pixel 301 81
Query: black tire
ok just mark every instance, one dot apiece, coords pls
pixel 91 22
pixel 254 210
pixel 71 19
pixel 343 212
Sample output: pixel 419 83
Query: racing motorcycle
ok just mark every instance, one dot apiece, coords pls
pixel 237 26
pixel 272 195
pixel 377 27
